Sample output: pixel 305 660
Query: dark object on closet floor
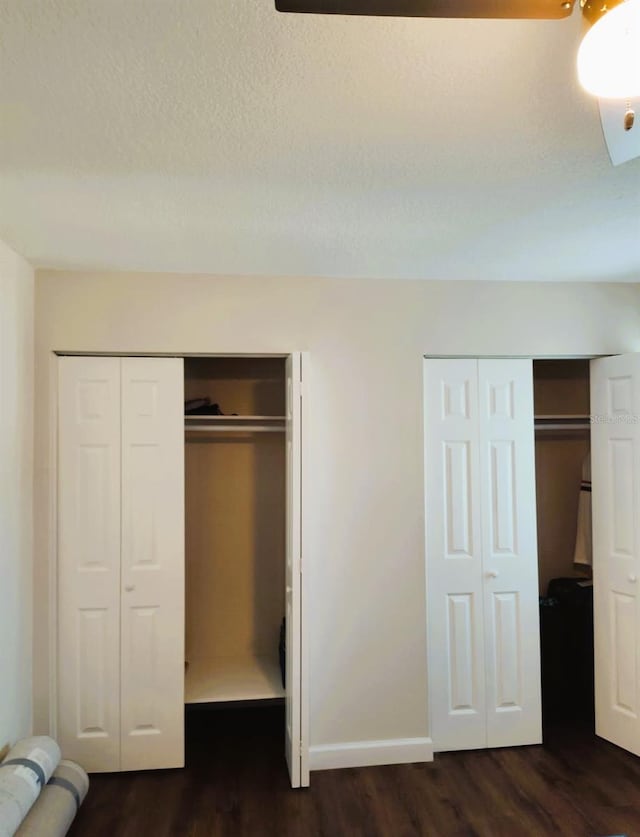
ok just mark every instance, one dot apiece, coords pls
pixel 566 649
pixel 282 652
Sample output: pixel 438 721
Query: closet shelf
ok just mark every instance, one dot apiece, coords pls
pixel 222 679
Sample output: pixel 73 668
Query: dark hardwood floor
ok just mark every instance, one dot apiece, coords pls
pixel 236 785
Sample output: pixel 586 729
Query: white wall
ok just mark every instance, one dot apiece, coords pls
pixel 366 339
pixel 16 494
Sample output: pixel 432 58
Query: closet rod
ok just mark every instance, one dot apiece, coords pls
pixel 217 428
pixel 229 419
pixel 586 425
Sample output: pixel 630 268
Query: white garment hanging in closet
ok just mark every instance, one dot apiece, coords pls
pixel 583 549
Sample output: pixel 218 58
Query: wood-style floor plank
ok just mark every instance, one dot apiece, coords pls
pixel 236 785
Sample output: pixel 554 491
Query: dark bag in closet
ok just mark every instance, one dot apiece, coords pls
pixel 204 410
pixel 566 648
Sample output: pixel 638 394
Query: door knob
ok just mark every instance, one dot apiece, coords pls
pixel 129 588
pixel 633 578
pixel 492 574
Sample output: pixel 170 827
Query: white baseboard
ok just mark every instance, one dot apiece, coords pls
pixel 369 753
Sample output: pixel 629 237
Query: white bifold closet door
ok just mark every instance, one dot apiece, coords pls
pixel 615 466
pixel 89 508
pixel 153 565
pixel 121 562
pixel 482 590
pixel 298 768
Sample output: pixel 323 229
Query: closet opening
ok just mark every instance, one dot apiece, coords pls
pixel 563 502
pixel 235 541
pixel 179 536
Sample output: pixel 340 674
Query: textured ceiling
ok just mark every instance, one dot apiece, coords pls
pixel 218 136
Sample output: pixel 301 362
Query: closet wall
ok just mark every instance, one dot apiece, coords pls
pixel 235 520
pixel 561 388
pixel 364 478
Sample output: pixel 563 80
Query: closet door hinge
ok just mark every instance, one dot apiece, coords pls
pixel 301 750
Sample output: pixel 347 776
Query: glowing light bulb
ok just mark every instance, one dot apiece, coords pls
pixel 609 55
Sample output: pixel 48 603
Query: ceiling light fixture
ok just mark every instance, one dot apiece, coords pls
pixel 609 55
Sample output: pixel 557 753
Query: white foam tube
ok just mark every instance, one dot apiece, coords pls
pixel 57 805
pixel 25 771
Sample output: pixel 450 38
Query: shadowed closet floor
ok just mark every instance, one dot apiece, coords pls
pixel 236 785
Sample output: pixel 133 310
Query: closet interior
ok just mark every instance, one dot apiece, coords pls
pixel 235 528
pixel 563 498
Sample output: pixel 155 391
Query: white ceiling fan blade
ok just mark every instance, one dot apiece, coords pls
pixel 622 145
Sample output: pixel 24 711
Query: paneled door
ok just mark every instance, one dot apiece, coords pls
pixel 121 562
pixel 615 467
pixel 509 552
pixel 293 576
pixel 454 556
pixel 482 586
pixel 88 641
pixel 152 575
